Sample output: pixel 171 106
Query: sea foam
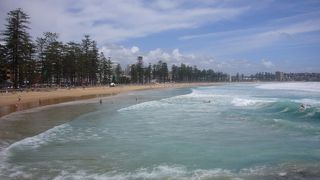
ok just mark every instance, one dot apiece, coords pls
pixel 40 139
pixel 141 106
pixel 242 102
pixel 297 86
pixel 59 134
pixel 181 172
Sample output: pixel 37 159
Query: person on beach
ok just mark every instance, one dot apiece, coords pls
pixel 19 98
pixel 100 101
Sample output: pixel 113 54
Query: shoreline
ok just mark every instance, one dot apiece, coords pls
pixel 22 127
pixel 18 101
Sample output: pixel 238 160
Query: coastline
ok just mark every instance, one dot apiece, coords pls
pixel 22 127
pixel 18 101
pixel 86 118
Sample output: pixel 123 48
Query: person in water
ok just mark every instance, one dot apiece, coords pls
pixel 302 107
pixel 100 101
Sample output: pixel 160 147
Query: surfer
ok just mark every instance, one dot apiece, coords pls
pixel 302 108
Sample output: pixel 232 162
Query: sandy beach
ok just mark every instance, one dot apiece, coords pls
pixel 17 101
pixel 27 126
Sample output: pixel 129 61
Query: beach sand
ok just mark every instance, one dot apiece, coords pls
pixel 12 102
pixel 15 128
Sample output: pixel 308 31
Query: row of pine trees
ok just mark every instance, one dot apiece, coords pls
pixel 48 61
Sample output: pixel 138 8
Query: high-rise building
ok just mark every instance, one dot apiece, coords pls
pixel 279 76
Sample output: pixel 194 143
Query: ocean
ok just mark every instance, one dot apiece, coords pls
pixel 232 131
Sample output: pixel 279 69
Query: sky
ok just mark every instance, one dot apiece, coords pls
pixel 245 36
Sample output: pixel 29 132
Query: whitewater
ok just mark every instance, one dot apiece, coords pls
pixel 233 131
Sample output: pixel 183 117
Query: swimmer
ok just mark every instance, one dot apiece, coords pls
pixel 302 108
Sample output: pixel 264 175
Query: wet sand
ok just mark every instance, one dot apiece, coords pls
pixel 18 126
pixel 26 124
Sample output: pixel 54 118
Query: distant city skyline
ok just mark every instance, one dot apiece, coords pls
pixel 229 36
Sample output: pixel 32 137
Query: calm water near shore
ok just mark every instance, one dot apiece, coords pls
pixel 246 131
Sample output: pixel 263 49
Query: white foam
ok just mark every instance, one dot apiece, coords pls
pixel 142 106
pixel 197 96
pixel 62 134
pixel 203 94
pixel 308 102
pixel 158 172
pixel 285 110
pixel 156 103
pixel 241 102
pixel 41 139
pixel 298 86
pixel 173 172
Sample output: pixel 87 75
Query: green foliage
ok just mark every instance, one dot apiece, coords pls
pixel 118 73
pixel 3 65
pixel 134 73
pixel 147 73
pixel 52 62
pixel 186 73
pixel 18 45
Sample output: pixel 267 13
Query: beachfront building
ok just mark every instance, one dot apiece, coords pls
pixel 279 76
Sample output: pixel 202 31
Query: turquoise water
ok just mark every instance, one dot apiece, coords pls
pixel 245 131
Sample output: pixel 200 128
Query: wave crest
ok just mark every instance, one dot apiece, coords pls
pixel 286 171
pixel 296 86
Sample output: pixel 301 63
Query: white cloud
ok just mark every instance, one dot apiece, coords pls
pixel 125 56
pixel 176 54
pixel 135 49
pixel 277 32
pixel 110 21
pixel 165 4
pixel 120 54
pixel 267 64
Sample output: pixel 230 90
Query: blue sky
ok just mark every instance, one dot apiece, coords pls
pixel 232 36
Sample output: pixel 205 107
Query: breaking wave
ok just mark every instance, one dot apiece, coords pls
pixel 241 102
pixel 297 86
pixel 292 108
pixel 180 172
pixel 143 106
pixel 42 138
pixel 60 134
